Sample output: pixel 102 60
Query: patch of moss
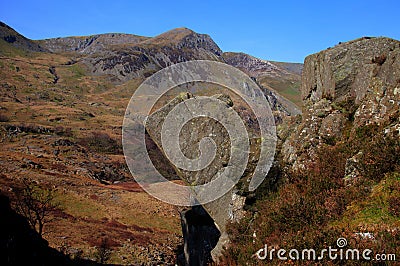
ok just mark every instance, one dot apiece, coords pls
pixel 77 70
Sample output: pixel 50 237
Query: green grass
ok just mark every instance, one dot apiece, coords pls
pixel 80 206
pixel 288 88
pixel 7 49
pixel 144 220
pixel 77 70
pixel 375 208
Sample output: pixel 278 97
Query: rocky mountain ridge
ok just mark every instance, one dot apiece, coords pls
pixel 89 44
pixel 126 56
pixel 123 57
pixel 253 66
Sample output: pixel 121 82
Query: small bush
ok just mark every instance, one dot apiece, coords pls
pixel 379 60
pixel 394 205
pixel 35 204
pixel 101 142
pixel 103 251
pixel 61 131
pixel 380 155
pixel 4 118
pixel 330 140
pixel 367 132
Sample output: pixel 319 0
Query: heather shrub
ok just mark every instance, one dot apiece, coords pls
pixel 380 155
pixel 61 131
pixel 4 118
pixel 307 209
pixel 394 205
pixel 101 142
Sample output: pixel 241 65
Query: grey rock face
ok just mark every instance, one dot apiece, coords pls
pixel 252 65
pixel 346 71
pixel 351 85
pixel 280 105
pixel 225 209
pixel 267 74
pixel 89 44
pixel 352 167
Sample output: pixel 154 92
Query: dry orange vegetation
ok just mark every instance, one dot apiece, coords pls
pixel 50 123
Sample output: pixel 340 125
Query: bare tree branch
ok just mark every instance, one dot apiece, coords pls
pixel 36 205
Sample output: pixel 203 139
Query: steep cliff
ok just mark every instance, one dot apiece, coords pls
pixel 349 86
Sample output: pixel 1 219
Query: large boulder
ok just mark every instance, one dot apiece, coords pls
pixel 222 210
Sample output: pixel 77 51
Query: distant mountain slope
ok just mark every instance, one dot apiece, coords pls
pixel 89 44
pixel 120 58
pixel 283 78
pixel 9 35
pixel 253 66
pixel 62 104
pixel 127 56
pixel 296 68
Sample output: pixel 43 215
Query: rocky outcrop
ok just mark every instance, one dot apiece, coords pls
pixel 281 106
pixel 348 70
pixel 351 85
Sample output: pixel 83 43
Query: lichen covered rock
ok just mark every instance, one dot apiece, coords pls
pixel 344 88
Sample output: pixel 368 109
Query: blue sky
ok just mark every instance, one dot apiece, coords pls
pixel 274 30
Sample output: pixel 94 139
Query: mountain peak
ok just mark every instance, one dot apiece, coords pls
pixel 173 36
pixel 182 29
pixel 184 38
